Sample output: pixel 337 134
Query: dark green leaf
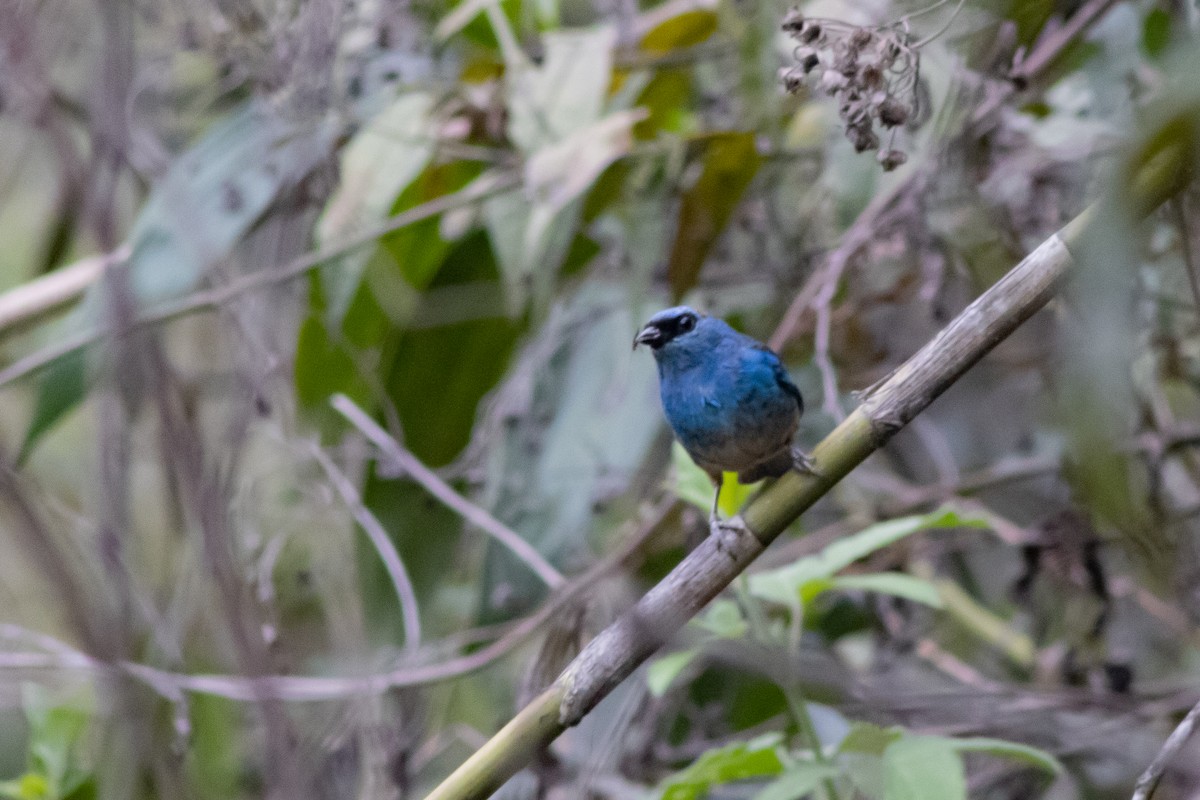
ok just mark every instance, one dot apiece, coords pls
pixel 730 163
pixel 324 367
pixel 437 376
pixel 754 759
pixel 684 30
pixel 1156 32
pixel 61 387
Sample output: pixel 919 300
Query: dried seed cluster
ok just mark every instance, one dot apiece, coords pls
pixel 871 72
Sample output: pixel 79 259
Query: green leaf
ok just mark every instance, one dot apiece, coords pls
pixel 897 584
pixel 406 260
pixel 384 157
pixel 730 163
pixel 566 93
pixel 1156 32
pixel 1011 750
pixel 869 739
pixel 797 781
pixel 575 384
pixel 662 672
pixel 861 756
pixel 426 535
pixel 723 618
pixel 437 376
pixel 323 368
pixel 923 768
pixel 754 759
pixel 532 230
pixel 60 388
pixel 209 199
pixel 218 742
pixel 666 98
pixel 684 30
pixel 56 728
pixel 785 584
pixel 30 786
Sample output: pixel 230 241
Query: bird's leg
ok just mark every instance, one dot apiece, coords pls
pixel 725 533
pixel 802 462
pixel 713 521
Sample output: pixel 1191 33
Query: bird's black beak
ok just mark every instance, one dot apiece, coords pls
pixel 650 335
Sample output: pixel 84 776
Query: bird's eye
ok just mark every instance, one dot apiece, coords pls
pixel 687 323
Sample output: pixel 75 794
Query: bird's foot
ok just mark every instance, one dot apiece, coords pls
pixel 727 532
pixel 802 462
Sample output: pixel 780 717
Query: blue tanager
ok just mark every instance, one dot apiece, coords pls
pixel 727 397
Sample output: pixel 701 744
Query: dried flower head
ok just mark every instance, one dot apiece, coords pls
pixel 872 73
pixel 890 159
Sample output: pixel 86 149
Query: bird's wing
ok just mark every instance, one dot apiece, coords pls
pixel 781 377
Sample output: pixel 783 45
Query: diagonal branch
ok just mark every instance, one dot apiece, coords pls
pixel 1160 171
pixel 444 492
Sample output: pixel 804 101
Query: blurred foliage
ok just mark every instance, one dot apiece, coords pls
pixel 1000 604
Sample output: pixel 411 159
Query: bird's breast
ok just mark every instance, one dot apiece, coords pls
pixel 727 423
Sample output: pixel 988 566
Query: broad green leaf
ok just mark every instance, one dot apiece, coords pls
pixel 730 163
pixel 869 739
pixel 218 742
pixel 437 376
pixel 56 727
pixel 923 768
pixel 426 535
pixel 383 158
pixel 897 584
pixel 560 172
pixel 60 388
pixel 554 118
pixel 30 786
pixel 324 367
pixel 796 782
pixel 667 100
pixel 662 672
pixel 459 17
pixel 1032 756
pixel 566 93
pixel 1156 32
pixel 531 244
pixel 195 216
pixel 214 193
pixel 406 260
pixel 685 30
pixel 785 584
pixel 754 759
pixel 723 618
pixel 534 229
pixel 579 416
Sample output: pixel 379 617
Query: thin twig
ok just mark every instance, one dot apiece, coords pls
pixel 62 656
pixel 444 492
pixel 217 296
pixel 383 546
pixel 1185 246
pixel 1149 779
pixel 34 298
pixel 1047 51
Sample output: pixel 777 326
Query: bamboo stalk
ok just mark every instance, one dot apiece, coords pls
pixel 1154 175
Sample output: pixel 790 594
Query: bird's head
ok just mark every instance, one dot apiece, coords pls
pixel 667 326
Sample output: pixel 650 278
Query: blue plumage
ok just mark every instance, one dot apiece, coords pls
pixel 726 396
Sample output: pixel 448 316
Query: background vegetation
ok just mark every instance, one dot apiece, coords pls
pixel 324 448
